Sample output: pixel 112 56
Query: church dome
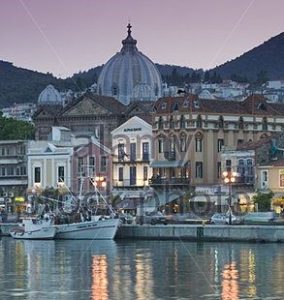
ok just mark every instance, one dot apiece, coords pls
pixel 50 96
pixel 130 75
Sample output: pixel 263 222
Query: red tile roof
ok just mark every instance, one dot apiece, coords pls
pixel 253 105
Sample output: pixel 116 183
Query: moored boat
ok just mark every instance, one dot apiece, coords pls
pixel 35 228
pixel 98 228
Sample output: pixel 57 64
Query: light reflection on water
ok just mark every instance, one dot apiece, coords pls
pixel 106 270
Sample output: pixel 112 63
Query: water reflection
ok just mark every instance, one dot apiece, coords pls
pixel 99 278
pixel 107 270
pixel 230 284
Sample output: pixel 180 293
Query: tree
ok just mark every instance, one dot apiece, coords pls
pixel 263 201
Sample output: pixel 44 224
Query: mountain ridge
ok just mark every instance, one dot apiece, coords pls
pixel 266 61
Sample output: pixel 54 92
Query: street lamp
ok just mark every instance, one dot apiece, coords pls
pixel 230 177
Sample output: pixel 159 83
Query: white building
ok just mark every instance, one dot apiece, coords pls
pixel 132 148
pixel 50 162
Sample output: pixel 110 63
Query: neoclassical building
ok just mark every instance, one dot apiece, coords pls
pixel 190 132
pixel 127 86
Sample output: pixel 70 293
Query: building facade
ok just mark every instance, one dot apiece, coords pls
pixel 189 133
pixel 13 171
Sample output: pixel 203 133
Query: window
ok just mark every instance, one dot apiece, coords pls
pixel 120 174
pixel 121 152
pixel 161 145
pixel 220 144
pixel 145 173
pixel 92 163
pixel 198 145
pixel 218 169
pixel 264 124
pixel 61 174
pixel 80 164
pixel 23 170
pixel 199 121
pixel 160 123
pixel 37 175
pixel 132 152
pixel 10 171
pixel 228 165
pixel 182 144
pixel 145 151
pixel 241 123
pixel 103 166
pixel 240 141
pixel 172 124
pixel 199 169
pixel 3 171
pixel 182 122
pixel 221 122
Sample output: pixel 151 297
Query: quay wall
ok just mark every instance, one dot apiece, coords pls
pixel 245 233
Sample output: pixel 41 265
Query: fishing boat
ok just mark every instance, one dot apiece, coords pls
pixel 90 223
pixel 98 228
pixel 35 228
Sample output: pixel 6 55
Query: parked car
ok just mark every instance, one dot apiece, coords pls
pixel 184 218
pixel 260 217
pixel 224 218
pixel 154 217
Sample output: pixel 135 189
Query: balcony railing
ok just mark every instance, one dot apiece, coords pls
pixel 169 181
pixel 127 183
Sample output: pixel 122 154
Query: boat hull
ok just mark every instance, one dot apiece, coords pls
pixel 45 233
pixel 104 229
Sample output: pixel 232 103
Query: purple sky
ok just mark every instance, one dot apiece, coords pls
pixel 67 36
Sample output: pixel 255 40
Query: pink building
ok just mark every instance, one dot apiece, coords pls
pixel 91 165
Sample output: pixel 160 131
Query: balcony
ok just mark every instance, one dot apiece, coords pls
pixel 130 183
pixel 174 181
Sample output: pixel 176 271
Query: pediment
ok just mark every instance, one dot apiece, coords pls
pixel 85 107
pixel 44 114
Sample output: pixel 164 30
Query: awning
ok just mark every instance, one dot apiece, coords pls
pixel 168 163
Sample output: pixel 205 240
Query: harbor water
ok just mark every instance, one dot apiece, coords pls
pixel 123 269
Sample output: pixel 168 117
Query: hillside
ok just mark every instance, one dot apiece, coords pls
pixel 18 85
pixel 266 60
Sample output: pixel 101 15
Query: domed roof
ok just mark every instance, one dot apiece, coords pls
pixel 130 75
pixel 50 96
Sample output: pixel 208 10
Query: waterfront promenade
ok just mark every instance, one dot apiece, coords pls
pixel 207 232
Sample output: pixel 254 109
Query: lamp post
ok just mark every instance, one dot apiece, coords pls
pixel 230 177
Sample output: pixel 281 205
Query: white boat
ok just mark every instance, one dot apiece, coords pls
pixel 95 226
pixel 35 228
pixel 99 228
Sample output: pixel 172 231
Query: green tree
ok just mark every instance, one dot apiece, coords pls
pixel 263 201
pixel 11 129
